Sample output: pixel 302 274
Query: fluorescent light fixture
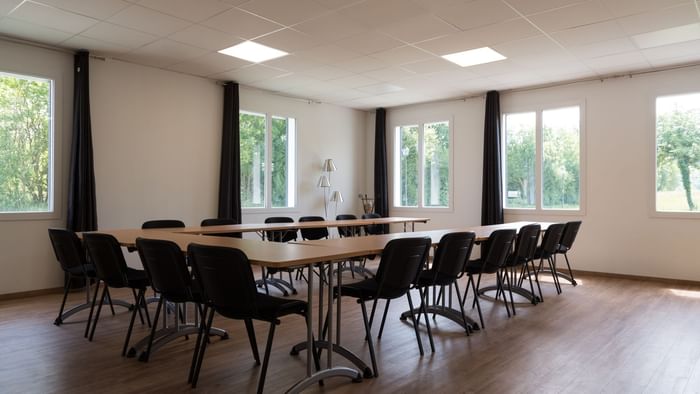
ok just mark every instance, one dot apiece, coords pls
pixel 474 57
pixel 253 52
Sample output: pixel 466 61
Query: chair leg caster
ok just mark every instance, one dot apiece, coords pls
pixel 367 373
pixel 58 321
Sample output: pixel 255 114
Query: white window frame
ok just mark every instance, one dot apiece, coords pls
pixel 396 166
pixel 653 212
pixel 292 165
pixel 53 194
pixel 538 209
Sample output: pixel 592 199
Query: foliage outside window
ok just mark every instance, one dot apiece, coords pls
pixel 422 170
pixel 26 126
pixel 543 159
pixel 678 153
pixel 268 157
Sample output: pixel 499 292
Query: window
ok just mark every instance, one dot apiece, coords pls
pixel 26 154
pixel 268 161
pixel 678 153
pixel 422 165
pixel 542 153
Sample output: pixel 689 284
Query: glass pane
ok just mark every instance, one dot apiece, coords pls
pixel 282 162
pixel 678 153
pixel 436 164
pixel 520 160
pixel 25 127
pixel 408 166
pixel 561 151
pixel 252 160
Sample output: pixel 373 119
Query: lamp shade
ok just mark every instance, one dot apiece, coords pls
pixel 323 181
pixel 336 196
pixel 328 165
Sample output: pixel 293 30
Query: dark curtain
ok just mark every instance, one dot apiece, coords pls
pixel 492 193
pixel 381 187
pixel 230 174
pixel 82 206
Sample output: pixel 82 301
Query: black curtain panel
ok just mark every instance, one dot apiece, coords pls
pixel 82 206
pixel 230 173
pixel 381 181
pixel 492 193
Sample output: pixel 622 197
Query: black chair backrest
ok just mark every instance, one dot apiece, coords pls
pixel 347 231
pixel 452 254
pixel 526 243
pixel 280 235
pixel 67 248
pixel 313 233
pixel 226 279
pixel 221 222
pixel 165 265
pixel 401 261
pixel 551 238
pixel 569 235
pixel 373 229
pixel 499 245
pixel 163 223
pixel 108 258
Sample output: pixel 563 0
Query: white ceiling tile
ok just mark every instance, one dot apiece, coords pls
pixel 99 9
pixel 369 42
pixel 617 61
pixel 528 47
pixel 583 35
pixel 437 5
pixel 325 73
pixel 571 16
pixel 477 13
pixel 285 82
pixel 293 63
pixel 389 74
pixel 209 64
pixel 497 68
pixel 668 36
pixel 8 5
pixel 362 64
pixel 285 12
pixel 687 59
pixel 195 11
pixel 689 48
pixel 329 54
pixel 528 7
pixel 429 66
pixel 30 31
pixel 604 48
pixel 337 4
pixel 289 40
pixel 204 37
pixel 420 28
pixel 402 55
pixel 148 20
pixel 631 7
pixel 51 17
pixel 164 52
pixel 332 96
pixel 94 46
pixel 452 43
pixel 331 27
pixel 353 81
pixel 658 20
pixel 242 24
pixel 379 13
pixel 511 30
pixel 118 35
pixel 256 72
pixel 234 2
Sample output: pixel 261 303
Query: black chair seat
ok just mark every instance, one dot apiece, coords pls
pixel 474 267
pixel 137 278
pixel 431 278
pixel 268 308
pixel 364 289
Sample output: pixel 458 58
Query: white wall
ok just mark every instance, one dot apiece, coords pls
pixel 620 233
pixel 156 140
pixel 26 258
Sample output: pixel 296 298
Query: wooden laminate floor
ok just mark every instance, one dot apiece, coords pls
pixel 604 335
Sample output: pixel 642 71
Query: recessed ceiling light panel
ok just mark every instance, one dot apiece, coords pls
pixel 253 52
pixel 474 57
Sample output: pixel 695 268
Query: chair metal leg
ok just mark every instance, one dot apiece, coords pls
pixel 203 347
pixel 460 302
pixel 92 308
pixel 381 326
pixel 66 287
pixel 476 300
pixel 266 357
pixel 251 338
pixel 97 314
pixel 153 329
pixel 571 273
pixel 368 338
pixel 425 314
pixel 415 323
pixel 198 344
pixel 139 299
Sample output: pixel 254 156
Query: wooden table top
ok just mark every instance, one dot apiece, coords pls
pixel 256 227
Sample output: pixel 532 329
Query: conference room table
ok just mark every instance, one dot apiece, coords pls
pixel 309 254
